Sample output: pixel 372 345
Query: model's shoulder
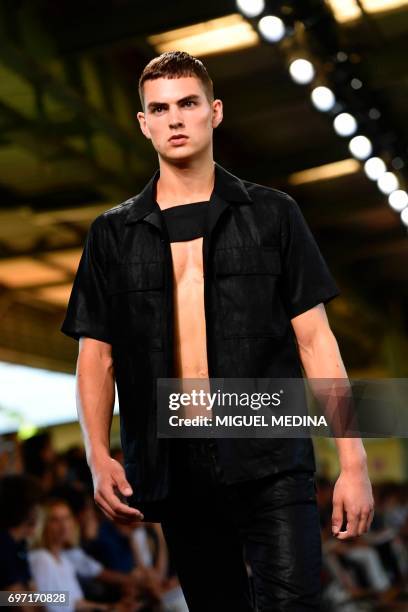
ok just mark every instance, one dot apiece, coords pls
pixel 266 195
pixel 120 209
pixel 116 213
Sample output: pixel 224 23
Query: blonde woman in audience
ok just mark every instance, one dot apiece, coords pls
pixel 51 567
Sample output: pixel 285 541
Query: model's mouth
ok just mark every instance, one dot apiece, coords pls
pixel 178 137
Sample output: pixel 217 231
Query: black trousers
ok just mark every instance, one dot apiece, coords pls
pixel 225 538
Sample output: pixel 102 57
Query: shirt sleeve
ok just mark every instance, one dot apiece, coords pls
pixel 87 310
pixel 84 565
pixel 306 278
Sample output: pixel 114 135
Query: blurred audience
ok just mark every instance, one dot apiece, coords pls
pixel 54 537
pixel 369 572
pixel 51 569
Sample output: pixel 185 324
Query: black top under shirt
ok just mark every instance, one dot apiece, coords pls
pixel 186 221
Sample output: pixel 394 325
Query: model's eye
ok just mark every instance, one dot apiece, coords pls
pixel 157 109
pixel 189 102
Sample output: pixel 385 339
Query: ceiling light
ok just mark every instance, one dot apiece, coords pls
pixel 374 168
pixel 345 10
pixel 360 147
pixel 349 10
pixel 323 98
pixel 302 71
pixel 378 6
pixel 387 182
pixel 398 199
pixel 251 8
pixel 215 36
pixel 325 172
pixel 397 163
pixel 404 215
pixel 374 114
pixel 272 28
pixel 345 124
pixel 356 83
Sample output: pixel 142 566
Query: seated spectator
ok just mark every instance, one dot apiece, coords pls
pixel 50 568
pixel 20 497
pixel 85 575
pixel 112 546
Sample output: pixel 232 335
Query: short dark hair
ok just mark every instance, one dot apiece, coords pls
pixel 19 494
pixel 175 64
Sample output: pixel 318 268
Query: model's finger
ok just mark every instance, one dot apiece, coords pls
pixel 123 485
pixel 363 522
pixel 104 507
pixel 370 519
pixel 351 526
pixel 119 509
pixel 114 518
pixel 337 517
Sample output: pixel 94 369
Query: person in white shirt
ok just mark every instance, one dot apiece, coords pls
pixel 52 570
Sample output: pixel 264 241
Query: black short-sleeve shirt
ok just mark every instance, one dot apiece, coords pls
pixel 261 266
pixel 87 310
pixel 306 278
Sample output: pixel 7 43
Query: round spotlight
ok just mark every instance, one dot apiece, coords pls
pixel 302 71
pixel 345 124
pixel 251 8
pixel 374 168
pixel 387 182
pixel 360 147
pixel 356 83
pixel 272 28
pixel 374 114
pixel 404 215
pixel 397 163
pixel 323 98
pixel 398 199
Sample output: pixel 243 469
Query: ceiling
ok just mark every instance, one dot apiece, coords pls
pixel 71 147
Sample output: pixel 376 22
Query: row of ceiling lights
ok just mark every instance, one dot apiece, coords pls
pixel 303 72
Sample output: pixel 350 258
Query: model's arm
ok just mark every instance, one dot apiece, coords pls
pixel 320 356
pixel 95 395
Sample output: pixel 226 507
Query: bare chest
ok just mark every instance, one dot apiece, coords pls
pixel 187 262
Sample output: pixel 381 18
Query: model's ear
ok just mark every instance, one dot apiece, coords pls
pixel 217 113
pixel 142 123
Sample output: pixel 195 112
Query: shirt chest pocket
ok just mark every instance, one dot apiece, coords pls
pixel 136 303
pixel 248 289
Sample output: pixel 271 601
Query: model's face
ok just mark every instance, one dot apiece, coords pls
pixel 179 106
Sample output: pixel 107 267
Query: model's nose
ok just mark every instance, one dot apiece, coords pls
pixel 175 120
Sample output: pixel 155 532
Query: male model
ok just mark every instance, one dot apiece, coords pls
pixel 205 275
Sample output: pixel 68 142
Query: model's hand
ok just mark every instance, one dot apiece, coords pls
pixel 110 485
pixel 353 496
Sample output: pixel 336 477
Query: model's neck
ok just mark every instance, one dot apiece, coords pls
pixel 184 184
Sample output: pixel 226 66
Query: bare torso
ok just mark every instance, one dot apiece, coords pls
pixel 189 312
